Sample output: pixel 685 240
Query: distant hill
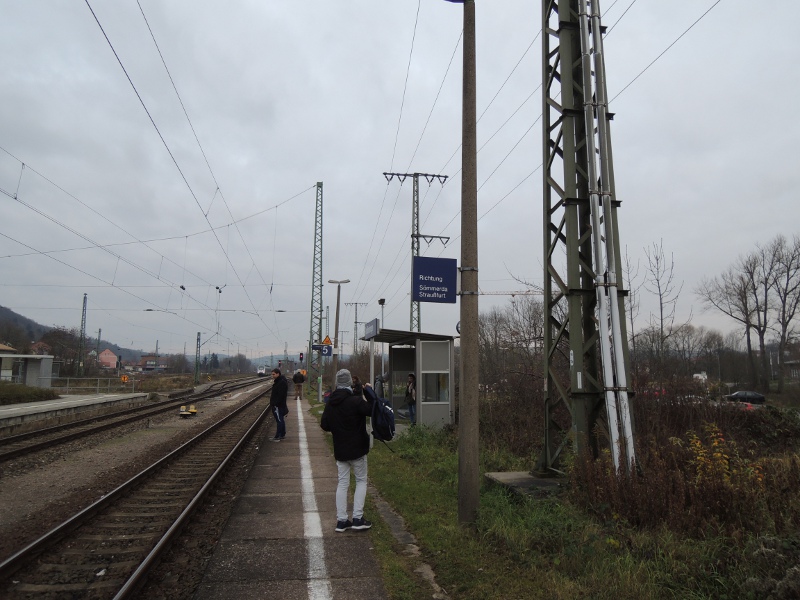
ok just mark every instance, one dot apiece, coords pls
pixel 33 329
pixel 34 332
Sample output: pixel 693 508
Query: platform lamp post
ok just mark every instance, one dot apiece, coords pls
pixel 336 323
pixel 382 302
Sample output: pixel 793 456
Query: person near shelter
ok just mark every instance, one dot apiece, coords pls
pixel 277 403
pixel 411 398
pixel 298 379
pixel 345 416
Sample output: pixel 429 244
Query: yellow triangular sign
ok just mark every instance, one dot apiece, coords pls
pixel 327 341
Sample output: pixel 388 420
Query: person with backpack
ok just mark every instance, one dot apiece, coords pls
pixel 345 416
pixel 277 403
pixel 298 379
pixel 411 398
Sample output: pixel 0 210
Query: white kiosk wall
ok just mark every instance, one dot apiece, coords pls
pixel 434 385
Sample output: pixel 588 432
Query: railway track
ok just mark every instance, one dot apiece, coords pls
pixel 107 549
pixel 21 444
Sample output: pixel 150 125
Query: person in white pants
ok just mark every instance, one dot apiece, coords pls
pixel 345 416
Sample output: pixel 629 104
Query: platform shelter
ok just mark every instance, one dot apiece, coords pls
pixel 430 357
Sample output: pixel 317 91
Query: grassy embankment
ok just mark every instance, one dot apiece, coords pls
pixel 714 513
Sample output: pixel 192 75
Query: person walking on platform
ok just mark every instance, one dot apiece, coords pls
pixel 298 379
pixel 277 403
pixel 345 416
pixel 411 398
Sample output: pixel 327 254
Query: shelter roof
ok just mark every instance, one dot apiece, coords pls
pixel 395 337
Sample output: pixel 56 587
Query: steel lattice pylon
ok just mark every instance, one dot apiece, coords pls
pixel 585 339
pixel 416 319
pixel 315 328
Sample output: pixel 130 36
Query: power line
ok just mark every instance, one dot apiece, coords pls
pixel 177 166
pixel 405 84
pixel 665 51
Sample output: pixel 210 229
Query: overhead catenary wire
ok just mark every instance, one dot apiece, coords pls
pixel 248 274
pixel 617 95
pixel 175 162
pixel 508 77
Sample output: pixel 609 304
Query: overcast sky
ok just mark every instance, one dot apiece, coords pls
pixel 120 190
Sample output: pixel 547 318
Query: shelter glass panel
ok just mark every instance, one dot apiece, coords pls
pixel 435 387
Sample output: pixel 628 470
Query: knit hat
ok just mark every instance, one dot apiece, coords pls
pixel 343 379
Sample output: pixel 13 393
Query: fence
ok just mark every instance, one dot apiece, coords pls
pixel 93 385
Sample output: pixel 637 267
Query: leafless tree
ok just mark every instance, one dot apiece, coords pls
pixel 490 339
pixel 786 284
pixel 632 302
pixel 759 270
pixel 729 294
pixel 659 280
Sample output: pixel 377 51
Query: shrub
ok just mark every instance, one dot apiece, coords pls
pixel 15 393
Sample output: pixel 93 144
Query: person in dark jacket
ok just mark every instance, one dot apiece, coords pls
pixel 345 416
pixel 411 397
pixel 298 379
pixel 277 403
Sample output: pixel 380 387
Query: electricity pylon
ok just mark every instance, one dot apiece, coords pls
pixel 416 323
pixel 315 327
pixel 585 339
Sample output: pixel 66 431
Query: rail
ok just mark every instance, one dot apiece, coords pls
pixel 31 563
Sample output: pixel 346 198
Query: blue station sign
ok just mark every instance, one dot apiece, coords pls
pixel 434 279
pixel 371 329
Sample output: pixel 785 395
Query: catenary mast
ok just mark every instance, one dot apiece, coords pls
pixel 315 328
pixel 585 339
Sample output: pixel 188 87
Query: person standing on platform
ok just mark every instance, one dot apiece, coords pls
pixel 345 416
pixel 277 403
pixel 298 379
pixel 411 398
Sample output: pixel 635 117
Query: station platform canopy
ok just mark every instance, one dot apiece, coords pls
pixel 395 337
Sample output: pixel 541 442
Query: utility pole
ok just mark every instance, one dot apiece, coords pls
pixel 336 325
pixel 357 322
pixel 197 361
pixel 315 360
pixel 468 424
pixel 415 234
pixel 83 338
pixel 584 299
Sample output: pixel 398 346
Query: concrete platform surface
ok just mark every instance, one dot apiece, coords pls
pixel 280 540
pixel 15 414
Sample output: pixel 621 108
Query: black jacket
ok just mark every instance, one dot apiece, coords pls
pixel 345 416
pixel 280 390
pixel 298 378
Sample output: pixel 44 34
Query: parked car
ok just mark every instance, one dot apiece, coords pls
pixel 745 396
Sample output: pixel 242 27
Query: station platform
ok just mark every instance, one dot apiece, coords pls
pixel 14 415
pixel 280 540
